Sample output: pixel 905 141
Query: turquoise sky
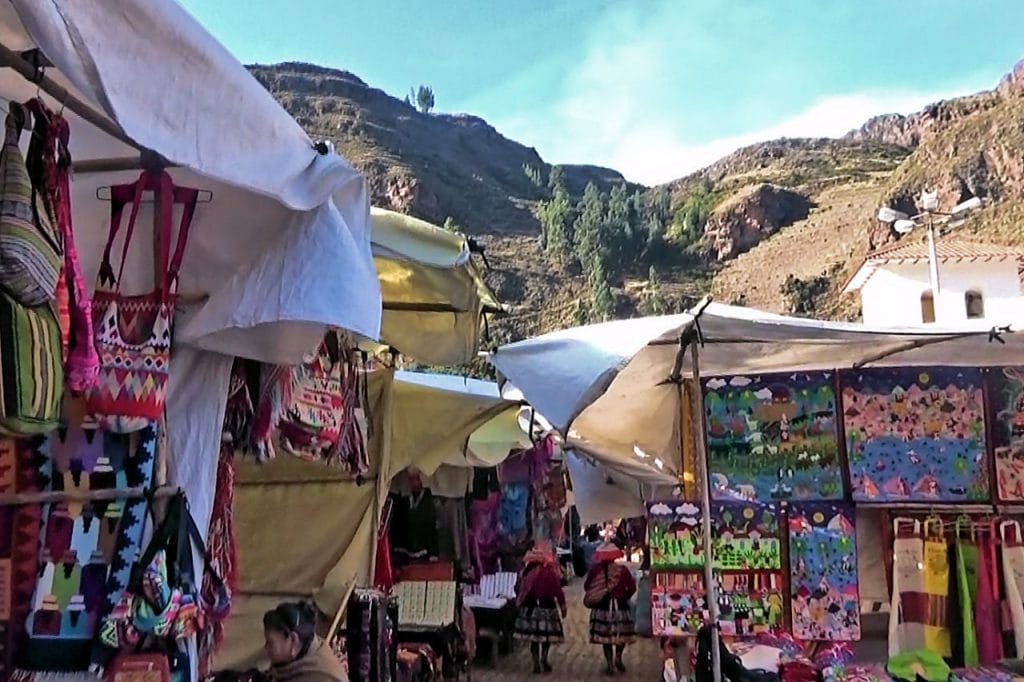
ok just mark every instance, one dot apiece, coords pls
pixel 653 88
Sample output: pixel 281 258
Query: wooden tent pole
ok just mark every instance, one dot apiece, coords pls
pixel 105 495
pixel 705 483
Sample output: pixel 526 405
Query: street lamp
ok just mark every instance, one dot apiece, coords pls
pixel 931 216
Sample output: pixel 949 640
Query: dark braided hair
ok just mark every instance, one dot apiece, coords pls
pixel 294 617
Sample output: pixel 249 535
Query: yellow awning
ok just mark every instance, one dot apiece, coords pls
pixel 433 291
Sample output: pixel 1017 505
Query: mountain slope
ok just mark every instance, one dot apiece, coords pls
pixel 777 225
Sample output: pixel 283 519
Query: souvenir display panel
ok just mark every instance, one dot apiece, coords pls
pixel 1006 401
pixel 773 437
pixel 747 551
pixel 824 598
pixel 915 434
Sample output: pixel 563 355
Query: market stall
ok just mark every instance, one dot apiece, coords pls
pixel 800 422
pixel 242 212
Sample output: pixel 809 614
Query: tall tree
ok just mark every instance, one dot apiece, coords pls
pixel 556 178
pixel 424 98
pixel 602 306
pixel 654 302
pixel 556 219
pixel 589 228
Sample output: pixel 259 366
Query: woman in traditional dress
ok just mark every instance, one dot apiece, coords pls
pixel 609 587
pixel 541 603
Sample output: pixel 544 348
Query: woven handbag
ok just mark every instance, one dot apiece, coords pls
pixel 30 363
pixel 31 255
pixel 133 333
pixel 49 164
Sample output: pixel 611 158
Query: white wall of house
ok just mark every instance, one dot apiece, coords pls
pixel 892 295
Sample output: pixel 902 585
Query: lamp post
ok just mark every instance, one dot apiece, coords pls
pixel 929 207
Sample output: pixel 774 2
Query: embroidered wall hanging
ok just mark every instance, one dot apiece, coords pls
pixel 747 555
pixel 1006 401
pixel 19 547
pixel 915 434
pixel 675 536
pixel 773 437
pixel 824 599
pixel 87 547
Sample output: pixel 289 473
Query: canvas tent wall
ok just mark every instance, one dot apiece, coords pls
pixel 417 420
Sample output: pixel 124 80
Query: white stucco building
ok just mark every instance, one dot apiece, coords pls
pixel 976 282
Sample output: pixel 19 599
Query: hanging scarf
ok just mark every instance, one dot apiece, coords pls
pixel 222 549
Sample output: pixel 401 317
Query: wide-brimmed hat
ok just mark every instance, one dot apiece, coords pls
pixel 608 552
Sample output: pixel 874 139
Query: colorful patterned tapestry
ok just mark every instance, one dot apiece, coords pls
pixel 19 543
pixel 1006 401
pixel 747 551
pixel 773 437
pixel 88 548
pixel 824 599
pixel 916 434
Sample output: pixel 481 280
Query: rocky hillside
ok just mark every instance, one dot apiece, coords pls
pixel 776 225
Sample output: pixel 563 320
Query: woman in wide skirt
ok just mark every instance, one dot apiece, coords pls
pixel 609 587
pixel 541 604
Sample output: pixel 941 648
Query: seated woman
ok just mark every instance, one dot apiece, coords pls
pixel 296 654
pixel 540 599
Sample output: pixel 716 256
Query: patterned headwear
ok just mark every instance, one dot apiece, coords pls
pixel 608 552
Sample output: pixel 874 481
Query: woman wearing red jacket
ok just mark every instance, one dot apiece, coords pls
pixel 609 587
pixel 541 603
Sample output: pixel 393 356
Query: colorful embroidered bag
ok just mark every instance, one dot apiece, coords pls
pixel 49 164
pixel 133 333
pixel 31 255
pixel 30 363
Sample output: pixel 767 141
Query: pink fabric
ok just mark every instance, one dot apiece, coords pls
pixel 986 608
pixel 485 531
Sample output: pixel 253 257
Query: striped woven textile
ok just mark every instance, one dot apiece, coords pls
pixel 32 382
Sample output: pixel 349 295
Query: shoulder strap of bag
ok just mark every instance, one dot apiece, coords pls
pixel 164 538
pixel 168 195
pixel 188 533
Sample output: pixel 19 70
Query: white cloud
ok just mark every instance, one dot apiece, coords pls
pixel 740 381
pixel 661 509
pixel 624 104
pixel 715 384
pixel 763 394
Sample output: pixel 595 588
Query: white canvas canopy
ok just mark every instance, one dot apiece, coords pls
pixel 608 387
pixel 283 216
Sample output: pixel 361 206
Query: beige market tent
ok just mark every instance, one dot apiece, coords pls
pixel 308 531
pixel 433 292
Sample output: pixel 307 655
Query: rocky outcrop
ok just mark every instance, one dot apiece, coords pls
pixel 743 221
pixel 903 131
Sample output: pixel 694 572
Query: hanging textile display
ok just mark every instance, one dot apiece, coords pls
pixel 1006 423
pixel 88 548
pixel 773 437
pixel 370 637
pixel 485 531
pixel 133 333
pixel 825 601
pixel 223 552
pixel 1013 578
pixel 549 498
pixel 49 163
pixel 20 528
pixel 747 551
pixel 918 617
pixel 966 589
pixel 916 434
pixel 311 410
